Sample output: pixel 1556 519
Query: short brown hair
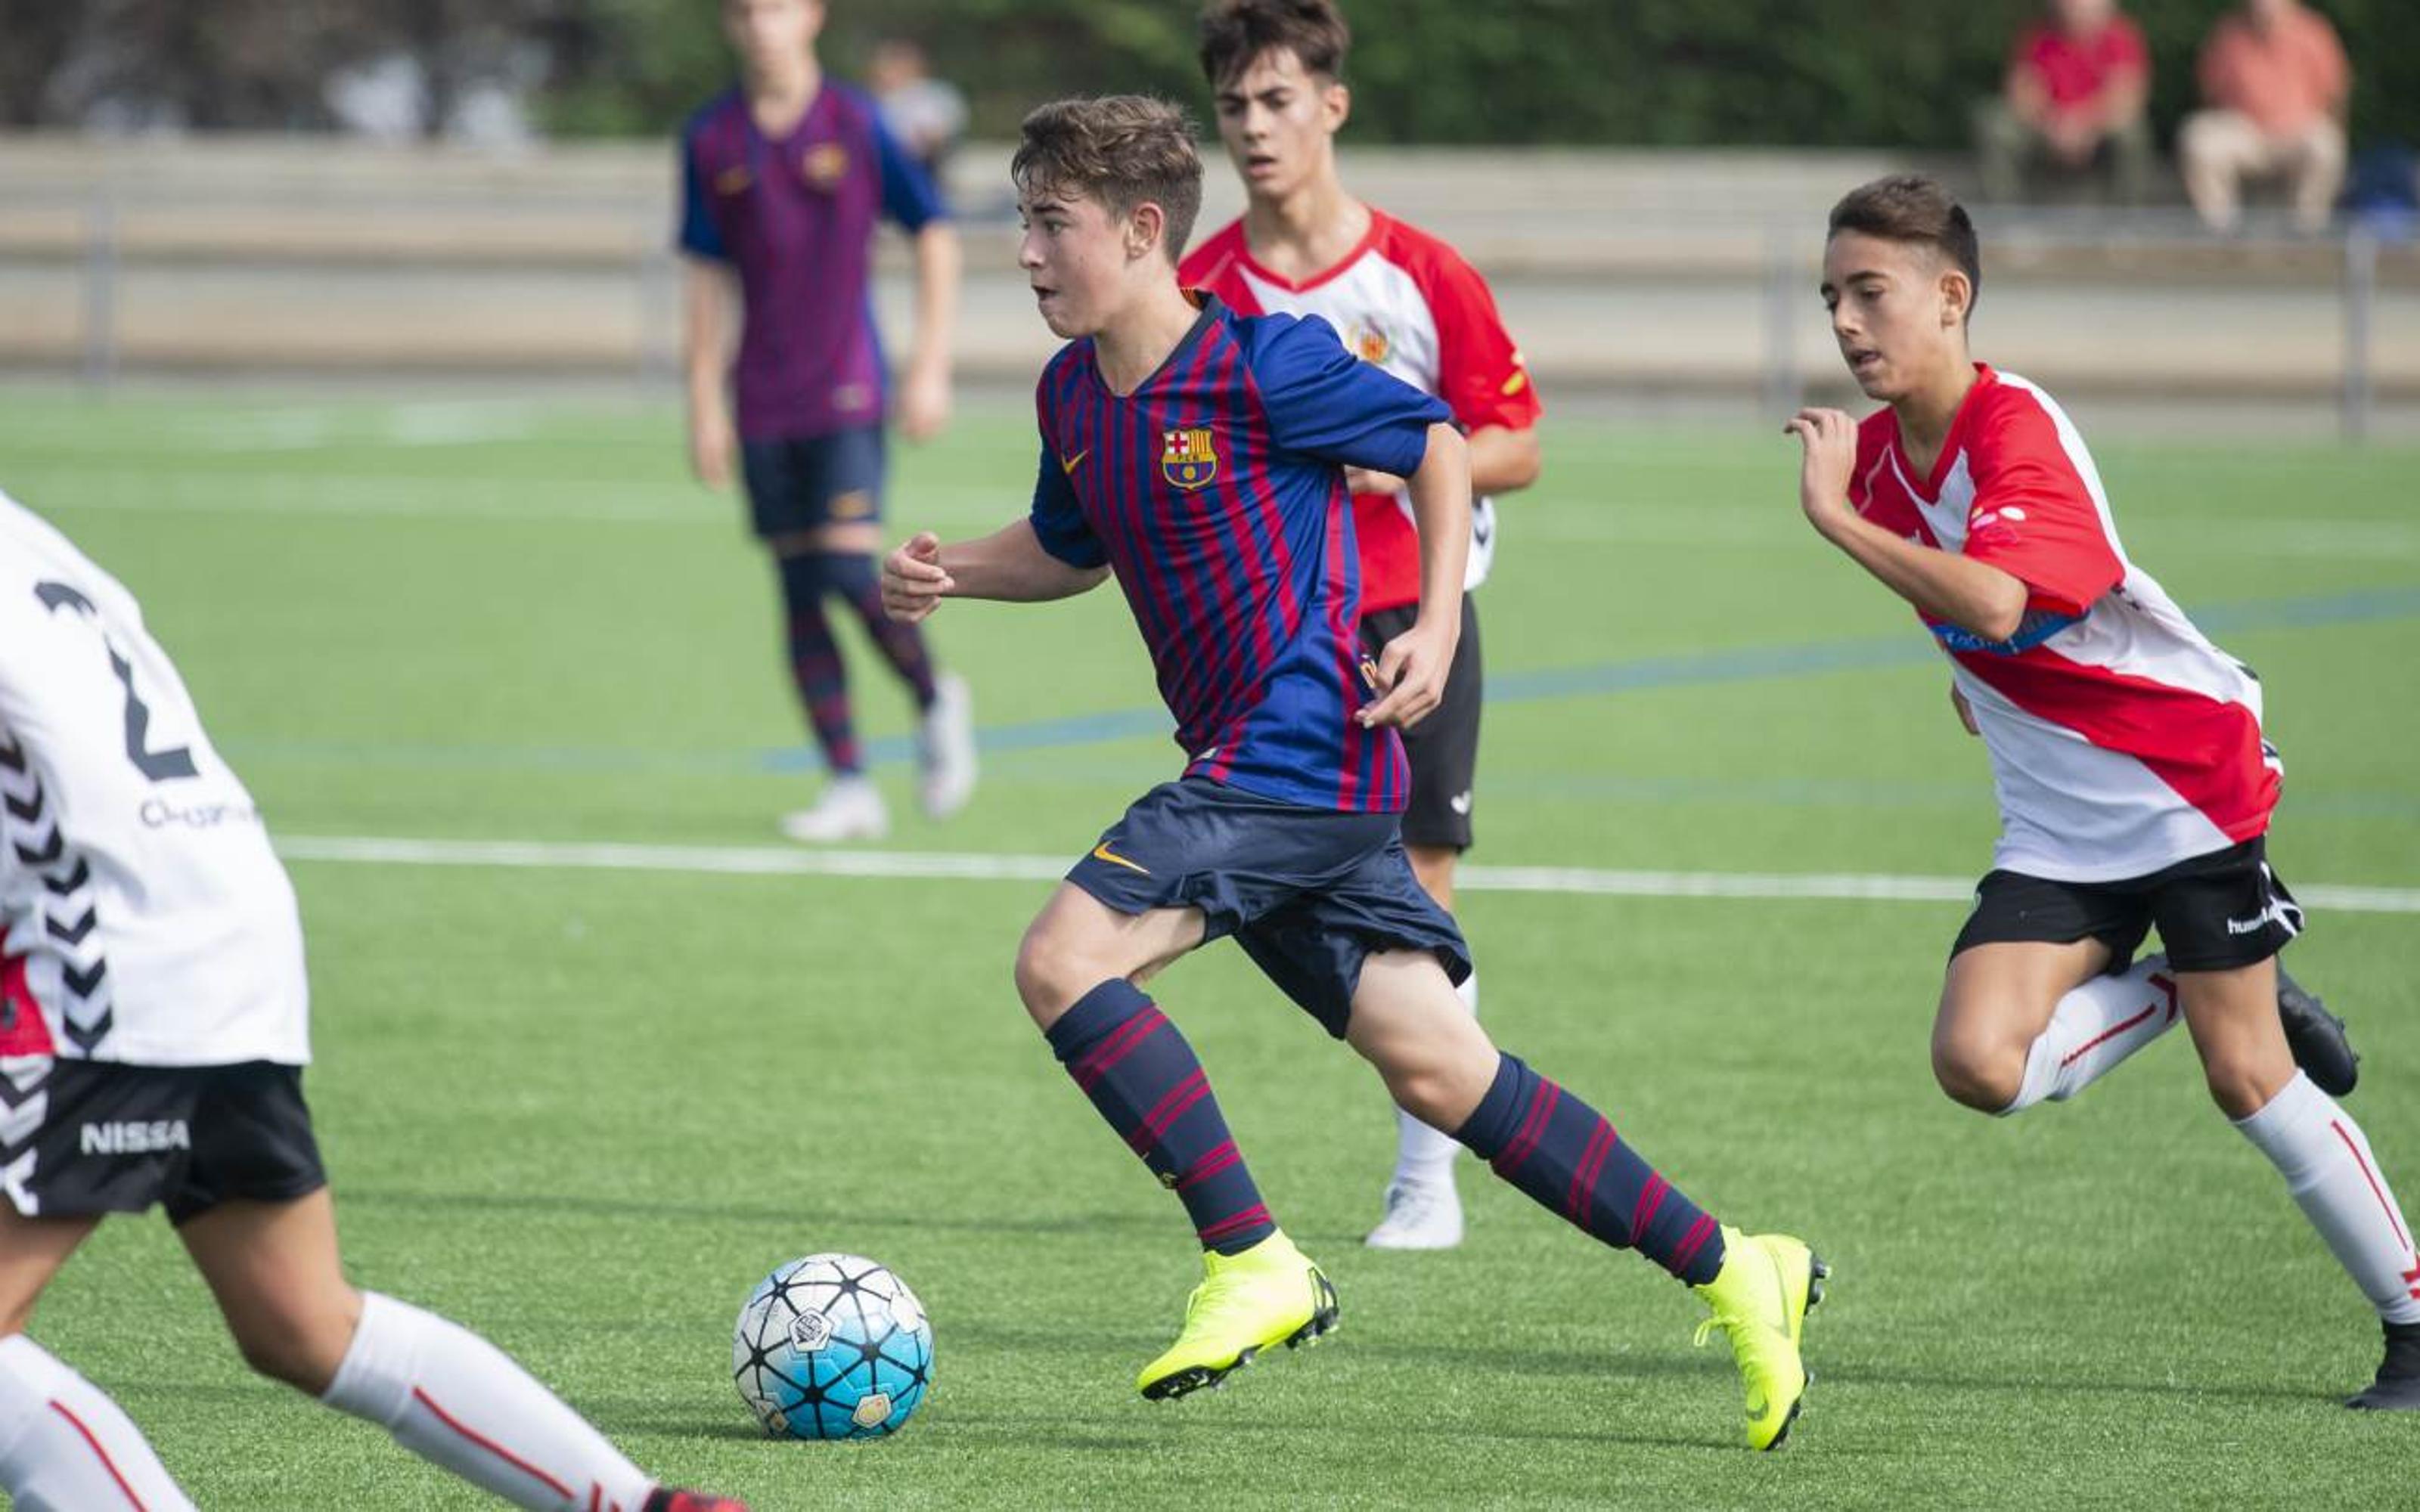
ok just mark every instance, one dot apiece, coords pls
pixel 1235 32
pixel 1122 150
pixel 1910 208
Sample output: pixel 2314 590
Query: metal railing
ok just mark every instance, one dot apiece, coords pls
pixel 1586 297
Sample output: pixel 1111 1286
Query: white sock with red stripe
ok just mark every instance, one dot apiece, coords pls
pixel 65 1447
pixel 2335 1180
pixel 1424 1157
pixel 2094 1027
pixel 457 1400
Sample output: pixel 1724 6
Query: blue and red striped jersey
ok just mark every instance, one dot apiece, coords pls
pixel 1216 492
pixel 795 219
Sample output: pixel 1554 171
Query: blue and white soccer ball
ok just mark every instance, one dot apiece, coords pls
pixel 832 1347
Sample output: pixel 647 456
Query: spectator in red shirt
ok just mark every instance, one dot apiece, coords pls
pixel 2276 81
pixel 2072 103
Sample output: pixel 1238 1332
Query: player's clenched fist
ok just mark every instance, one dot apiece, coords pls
pixel 1828 439
pixel 913 582
pixel 1412 669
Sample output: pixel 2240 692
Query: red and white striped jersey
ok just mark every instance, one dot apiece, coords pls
pixel 1407 301
pixel 142 917
pixel 2121 740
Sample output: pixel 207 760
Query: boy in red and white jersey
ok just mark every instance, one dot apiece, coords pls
pixel 1405 301
pixel 2134 785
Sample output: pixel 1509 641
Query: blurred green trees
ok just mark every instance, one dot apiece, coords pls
pixel 1638 73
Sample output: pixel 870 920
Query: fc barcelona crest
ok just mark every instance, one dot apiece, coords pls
pixel 1189 458
pixel 825 165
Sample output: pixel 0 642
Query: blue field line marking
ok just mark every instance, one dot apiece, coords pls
pixel 1681 669
pixel 1637 675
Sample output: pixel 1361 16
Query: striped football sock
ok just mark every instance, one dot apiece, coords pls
pixel 1142 1077
pixel 1569 1159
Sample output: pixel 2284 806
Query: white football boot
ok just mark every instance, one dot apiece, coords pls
pixel 945 748
pixel 850 808
pixel 1419 1215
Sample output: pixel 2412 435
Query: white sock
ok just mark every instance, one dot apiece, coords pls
pixel 65 1447
pixel 2335 1180
pixel 457 1401
pixel 1424 1156
pixel 2094 1027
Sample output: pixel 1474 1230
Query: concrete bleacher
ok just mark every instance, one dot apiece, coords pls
pixel 1623 272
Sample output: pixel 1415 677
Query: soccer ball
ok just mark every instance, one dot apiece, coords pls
pixel 832 1347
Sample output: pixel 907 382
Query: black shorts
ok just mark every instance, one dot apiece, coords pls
pixel 2215 912
pixel 1443 748
pixel 1309 893
pixel 803 481
pixel 106 1137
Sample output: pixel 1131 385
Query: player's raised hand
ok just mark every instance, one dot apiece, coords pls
pixel 1828 454
pixel 913 579
pixel 1411 673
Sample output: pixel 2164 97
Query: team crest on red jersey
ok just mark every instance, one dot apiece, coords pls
pixel 1369 342
pixel 1188 458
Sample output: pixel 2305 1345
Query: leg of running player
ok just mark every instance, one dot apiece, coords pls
pixel 2023 1021
pixel 64 1446
pixel 945 744
pixel 1422 1209
pixel 1439 1065
pixel 1081 971
pixel 2320 1150
pixel 849 807
pixel 444 1392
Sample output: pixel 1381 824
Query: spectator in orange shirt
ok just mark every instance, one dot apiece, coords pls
pixel 2276 81
pixel 2072 101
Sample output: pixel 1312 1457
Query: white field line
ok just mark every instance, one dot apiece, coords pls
pixel 735 861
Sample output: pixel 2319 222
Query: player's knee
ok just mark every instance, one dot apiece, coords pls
pixel 1977 1074
pixel 2240 1087
pixel 1051 974
pixel 1440 1094
pixel 302 1357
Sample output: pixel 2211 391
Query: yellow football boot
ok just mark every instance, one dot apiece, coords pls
pixel 1267 1295
pixel 1760 1298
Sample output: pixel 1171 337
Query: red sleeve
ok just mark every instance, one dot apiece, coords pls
pixel 2125 49
pixel 2034 516
pixel 1481 375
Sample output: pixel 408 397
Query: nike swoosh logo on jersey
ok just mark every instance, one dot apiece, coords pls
pixel 1069 464
pixel 1103 853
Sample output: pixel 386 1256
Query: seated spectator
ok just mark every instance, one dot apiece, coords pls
pixel 2276 82
pixel 2072 103
pixel 925 113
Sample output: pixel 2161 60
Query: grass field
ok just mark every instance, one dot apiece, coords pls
pixel 583 1109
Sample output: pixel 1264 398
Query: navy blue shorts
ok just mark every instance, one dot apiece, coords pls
pixel 806 480
pixel 1309 893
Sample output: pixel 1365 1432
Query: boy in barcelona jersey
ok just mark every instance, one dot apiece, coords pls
pixel 1199 456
